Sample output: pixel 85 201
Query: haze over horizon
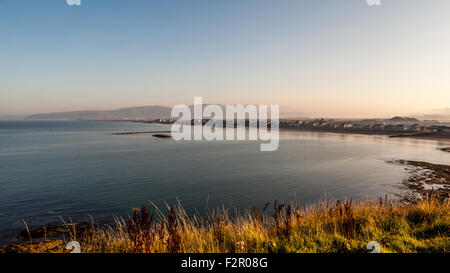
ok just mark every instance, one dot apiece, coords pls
pixel 329 58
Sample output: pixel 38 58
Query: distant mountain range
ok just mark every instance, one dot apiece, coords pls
pixel 132 113
pixel 145 112
pixel 440 115
pixel 163 112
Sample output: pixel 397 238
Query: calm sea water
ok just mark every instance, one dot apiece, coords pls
pixel 52 169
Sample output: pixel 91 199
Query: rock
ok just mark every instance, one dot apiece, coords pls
pixel 162 136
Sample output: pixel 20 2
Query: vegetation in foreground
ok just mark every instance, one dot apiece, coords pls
pixel 326 227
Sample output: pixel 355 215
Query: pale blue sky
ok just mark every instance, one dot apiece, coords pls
pixel 324 57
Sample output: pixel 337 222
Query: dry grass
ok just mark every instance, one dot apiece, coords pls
pixel 325 227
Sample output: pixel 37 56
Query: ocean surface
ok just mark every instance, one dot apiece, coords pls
pixel 52 169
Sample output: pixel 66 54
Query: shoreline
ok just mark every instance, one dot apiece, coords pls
pixel 431 136
pixel 440 137
pixel 425 179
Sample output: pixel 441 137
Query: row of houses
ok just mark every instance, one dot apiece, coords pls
pixel 332 124
pixel 337 125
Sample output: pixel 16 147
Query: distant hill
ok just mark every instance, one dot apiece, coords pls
pixel 440 115
pixel 402 120
pixel 132 113
pixel 145 112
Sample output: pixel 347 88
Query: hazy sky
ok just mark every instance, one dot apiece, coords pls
pixel 340 58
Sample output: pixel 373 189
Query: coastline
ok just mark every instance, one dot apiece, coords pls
pixel 441 137
pixel 425 179
pixel 431 136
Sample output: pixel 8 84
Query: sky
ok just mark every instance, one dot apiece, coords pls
pixel 335 58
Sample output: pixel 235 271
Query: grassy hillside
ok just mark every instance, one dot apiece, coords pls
pixel 337 227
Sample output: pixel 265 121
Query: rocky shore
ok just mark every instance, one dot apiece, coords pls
pixel 426 179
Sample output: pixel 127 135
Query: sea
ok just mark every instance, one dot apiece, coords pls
pixel 53 170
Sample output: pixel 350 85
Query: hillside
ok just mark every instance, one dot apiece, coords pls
pixel 402 120
pixel 132 113
pixel 147 112
pixel 440 115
